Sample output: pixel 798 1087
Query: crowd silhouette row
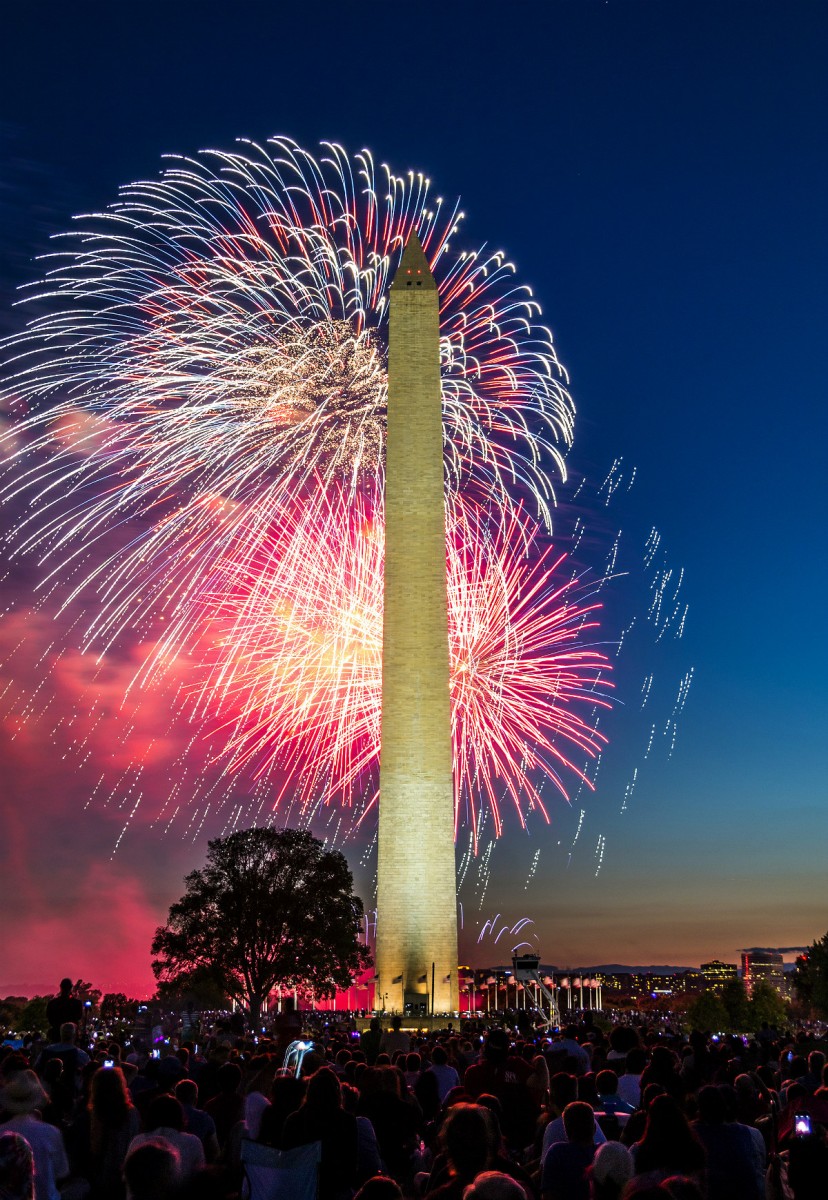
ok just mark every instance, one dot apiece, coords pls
pixel 470 1114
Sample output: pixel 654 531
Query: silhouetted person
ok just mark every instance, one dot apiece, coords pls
pixel 62 1008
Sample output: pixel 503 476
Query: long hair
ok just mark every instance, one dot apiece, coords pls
pixel 668 1142
pixel 109 1104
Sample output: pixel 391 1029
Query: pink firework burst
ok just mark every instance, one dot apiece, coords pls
pixel 298 666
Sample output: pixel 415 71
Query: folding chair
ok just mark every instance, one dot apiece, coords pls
pixel 271 1174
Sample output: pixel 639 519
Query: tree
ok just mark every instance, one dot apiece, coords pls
pixel 737 1006
pixel 811 977
pixel 32 1017
pixel 117 1006
pixel 707 1012
pixel 270 907
pixel 766 1005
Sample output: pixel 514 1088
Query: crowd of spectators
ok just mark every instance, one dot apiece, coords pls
pixel 475 1113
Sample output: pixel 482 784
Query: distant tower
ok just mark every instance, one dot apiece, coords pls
pixel 416 900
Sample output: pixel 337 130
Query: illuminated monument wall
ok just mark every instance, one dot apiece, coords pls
pixel 416 900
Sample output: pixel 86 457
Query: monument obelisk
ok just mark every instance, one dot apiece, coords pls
pixel 416 892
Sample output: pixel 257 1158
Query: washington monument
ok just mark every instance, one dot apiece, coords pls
pixel 416 896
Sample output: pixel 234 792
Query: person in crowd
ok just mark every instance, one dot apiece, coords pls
pixel 379 1187
pixel 663 1068
pixel 731 1168
pixel 227 1106
pixel 321 1118
pixel 445 1074
pixel 286 1095
pixel 466 1142
pixel 494 1185
pixel 610 1172
pixel 395 1039
pixel 606 1085
pixel 669 1146
pixel 506 1076
pixel 371 1040
pixel 73 1058
pixel 369 1162
pixel 574 1052
pixel 16 1167
pixel 395 1122
pixel 197 1121
pixel 629 1084
pixel 564 1167
pixel 165 1122
pixel 564 1090
pixel 62 1009
pixel 112 1124
pixel 152 1171
pixel 21 1100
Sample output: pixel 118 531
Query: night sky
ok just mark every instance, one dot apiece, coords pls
pixel 658 172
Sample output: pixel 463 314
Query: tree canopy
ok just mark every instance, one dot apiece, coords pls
pixel 270 908
pixel 810 978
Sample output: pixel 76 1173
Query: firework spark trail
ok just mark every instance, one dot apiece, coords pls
pixel 301 651
pixel 216 340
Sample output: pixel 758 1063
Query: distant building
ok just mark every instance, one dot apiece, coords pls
pixel 762 965
pixel 716 974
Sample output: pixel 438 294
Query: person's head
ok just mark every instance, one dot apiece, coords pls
pixel 649 1094
pixel 668 1142
pixel 496 1047
pixel 379 1187
pixel 186 1092
pixel 606 1083
pixel 228 1078
pixel 682 1187
pixel 816 1061
pixel 579 1123
pixel 711 1105
pixel 109 1098
pixel 494 1185
pixel 396 1024
pixel 636 1060
pixel 68 1032
pixel 808 1167
pixel 563 1089
pixel 413 1062
pixel 23 1094
pixel 324 1090
pixel 375 1025
pixel 151 1171
pixel 165 1112
pixel 467 1141
pixel 16 1167
pixel 438 1056
pixel 65 987
pixel 611 1171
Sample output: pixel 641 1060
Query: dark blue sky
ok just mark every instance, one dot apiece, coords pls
pixel 658 170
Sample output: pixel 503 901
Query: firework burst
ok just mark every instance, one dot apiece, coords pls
pixel 299 650
pixel 199 421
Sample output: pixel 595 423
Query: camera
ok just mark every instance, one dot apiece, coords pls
pixel 108 1063
pixel 802 1125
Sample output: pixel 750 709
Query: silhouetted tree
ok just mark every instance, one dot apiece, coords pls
pixel 707 1013
pixel 737 1006
pixel 810 978
pixel 766 1005
pixel 270 907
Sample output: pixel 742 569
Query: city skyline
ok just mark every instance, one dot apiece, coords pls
pixel 658 179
